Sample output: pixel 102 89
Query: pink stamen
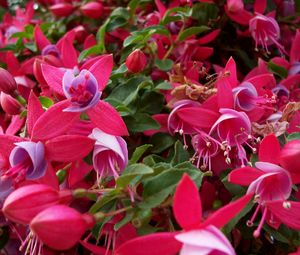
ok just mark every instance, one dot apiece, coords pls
pixel 256 233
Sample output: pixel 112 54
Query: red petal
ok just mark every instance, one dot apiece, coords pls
pixel 244 176
pixel 228 212
pixel 161 8
pixel 15 125
pixel 295 50
pixel 225 95
pixel 7 143
pixel 187 203
pixel 263 80
pixel 68 147
pixel 260 6
pixel 102 70
pixel 105 117
pixel 54 122
pixel 69 54
pixel 40 39
pixel 153 244
pixel 289 216
pixel 78 171
pixel 96 250
pixel 53 76
pixel 198 117
pixel 35 110
pixel 269 149
pixel 242 17
pixel 209 37
pixel 232 76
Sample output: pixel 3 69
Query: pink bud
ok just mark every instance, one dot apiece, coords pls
pixel 9 104
pixel 62 9
pixel 290 156
pixel 61 227
pixel 235 5
pixel 92 10
pixel 7 82
pixel 136 61
pixel 26 202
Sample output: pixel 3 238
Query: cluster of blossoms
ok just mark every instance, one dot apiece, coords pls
pixel 150 127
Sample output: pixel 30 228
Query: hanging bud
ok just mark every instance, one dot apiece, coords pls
pixel 61 227
pixel 22 205
pixel 62 9
pixel 7 82
pixel 92 10
pixel 136 61
pixel 9 104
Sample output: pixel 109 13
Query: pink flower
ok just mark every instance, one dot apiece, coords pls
pixel 197 237
pixel 110 156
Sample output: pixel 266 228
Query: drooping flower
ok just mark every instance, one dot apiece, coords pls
pixel 265 31
pixel 110 156
pixel 270 183
pixel 197 237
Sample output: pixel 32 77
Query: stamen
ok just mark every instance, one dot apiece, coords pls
pixel 256 233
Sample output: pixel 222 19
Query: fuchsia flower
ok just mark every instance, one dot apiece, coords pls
pixel 84 90
pixel 110 156
pixel 7 83
pixel 265 31
pixel 272 186
pixel 198 236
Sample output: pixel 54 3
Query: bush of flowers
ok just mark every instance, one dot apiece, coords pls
pixel 150 127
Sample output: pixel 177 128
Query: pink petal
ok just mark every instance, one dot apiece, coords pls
pixel 203 53
pixel 153 244
pixel 242 17
pixel 269 149
pixel 7 143
pixel 288 212
pixel 15 125
pixel 222 216
pixel 295 50
pixel 209 37
pixel 260 6
pixel 53 76
pixel 68 147
pixel 232 75
pixel 244 176
pixel 106 118
pixel 263 80
pixel 69 54
pixel 54 122
pixel 198 117
pixel 187 203
pixel 78 171
pixel 35 110
pixel 102 70
pixel 40 39
pixel 161 8
pixel 225 95
pixel 96 250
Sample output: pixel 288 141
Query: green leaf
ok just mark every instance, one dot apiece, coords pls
pixel 138 152
pixel 293 136
pixel 180 154
pixel 46 102
pixel 107 200
pixel 159 187
pixel 140 122
pixel 161 142
pixel 128 217
pixel 151 102
pixel 278 70
pixel 132 174
pixel 164 64
pixel 94 50
pixel 164 86
pixel 192 31
pixel 204 13
pixel 100 36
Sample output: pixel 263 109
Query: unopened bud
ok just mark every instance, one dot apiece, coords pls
pixel 62 9
pixel 9 104
pixel 136 61
pixel 7 82
pixel 92 10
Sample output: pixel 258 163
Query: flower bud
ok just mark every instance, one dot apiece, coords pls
pixel 61 227
pixel 290 156
pixel 7 82
pixel 62 9
pixel 9 104
pixel 136 61
pixel 92 10
pixel 26 202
